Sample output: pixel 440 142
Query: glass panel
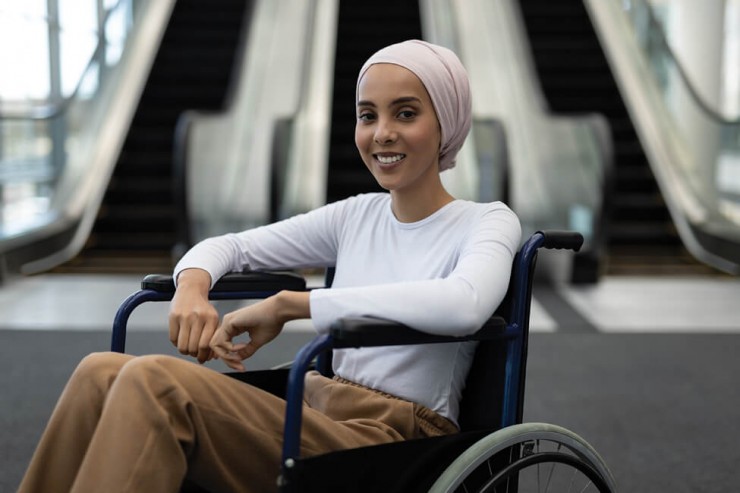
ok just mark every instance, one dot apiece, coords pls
pixel 28 8
pixel 78 38
pixel 731 95
pixel 26 172
pixel 705 132
pixel 116 27
pixel 30 66
pixel 34 149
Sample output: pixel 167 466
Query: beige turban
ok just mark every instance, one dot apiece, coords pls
pixel 446 81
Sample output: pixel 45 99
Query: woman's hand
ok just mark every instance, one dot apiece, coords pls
pixel 263 322
pixel 192 318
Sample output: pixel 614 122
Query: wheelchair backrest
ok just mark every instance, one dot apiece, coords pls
pixel 481 405
pixel 483 398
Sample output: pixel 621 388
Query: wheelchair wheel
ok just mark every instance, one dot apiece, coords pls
pixel 534 457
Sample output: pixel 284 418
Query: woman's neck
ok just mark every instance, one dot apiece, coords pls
pixel 413 207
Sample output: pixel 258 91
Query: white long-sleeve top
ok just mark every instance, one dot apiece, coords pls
pixel 445 274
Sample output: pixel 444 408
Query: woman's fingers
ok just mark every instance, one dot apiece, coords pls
pixel 223 347
pixel 190 330
pixel 227 351
pixel 203 349
pixel 234 361
pixel 183 337
pixel 259 320
pixel 174 324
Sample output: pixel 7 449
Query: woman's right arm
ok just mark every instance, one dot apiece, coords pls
pixel 306 240
pixel 192 318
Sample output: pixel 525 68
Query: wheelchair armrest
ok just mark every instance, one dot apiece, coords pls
pixel 235 282
pixel 235 285
pixel 368 332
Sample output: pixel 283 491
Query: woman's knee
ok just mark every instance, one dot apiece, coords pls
pixel 156 369
pixel 153 362
pixel 101 364
pixel 96 372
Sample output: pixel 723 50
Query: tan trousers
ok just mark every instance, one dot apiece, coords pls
pixel 144 424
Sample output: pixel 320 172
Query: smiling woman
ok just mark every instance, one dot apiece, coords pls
pixel 415 256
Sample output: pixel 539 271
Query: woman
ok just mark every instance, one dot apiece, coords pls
pixel 414 255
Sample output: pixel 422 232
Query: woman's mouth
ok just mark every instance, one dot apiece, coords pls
pixel 387 159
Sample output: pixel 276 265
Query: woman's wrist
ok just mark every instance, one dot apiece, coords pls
pixel 194 279
pixel 292 305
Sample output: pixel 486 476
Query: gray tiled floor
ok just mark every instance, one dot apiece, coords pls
pixel 660 304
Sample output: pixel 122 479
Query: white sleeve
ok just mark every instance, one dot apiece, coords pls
pixel 455 305
pixel 306 240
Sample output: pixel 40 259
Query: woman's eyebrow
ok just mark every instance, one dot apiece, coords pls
pixel 404 100
pixel 395 102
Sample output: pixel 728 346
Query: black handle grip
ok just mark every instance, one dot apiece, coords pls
pixel 568 240
pixel 235 281
pixel 369 332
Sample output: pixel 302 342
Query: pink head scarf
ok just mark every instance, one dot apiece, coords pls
pixel 446 81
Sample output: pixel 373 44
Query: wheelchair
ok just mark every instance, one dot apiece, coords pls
pixel 493 452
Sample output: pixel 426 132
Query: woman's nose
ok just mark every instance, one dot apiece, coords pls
pixel 384 133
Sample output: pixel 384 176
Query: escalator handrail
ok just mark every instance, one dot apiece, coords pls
pixel 657 27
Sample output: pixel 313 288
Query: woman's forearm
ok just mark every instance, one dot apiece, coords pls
pixel 292 305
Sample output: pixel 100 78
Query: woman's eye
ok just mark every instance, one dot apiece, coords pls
pixel 365 117
pixel 406 114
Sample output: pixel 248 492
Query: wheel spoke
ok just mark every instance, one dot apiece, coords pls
pixel 587 485
pixel 572 479
pixel 511 458
pixel 538 468
pixel 552 470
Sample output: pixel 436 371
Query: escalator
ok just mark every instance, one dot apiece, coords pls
pixel 576 78
pixel 135 227
pixel 362 29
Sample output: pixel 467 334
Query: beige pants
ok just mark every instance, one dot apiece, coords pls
pixel 144 424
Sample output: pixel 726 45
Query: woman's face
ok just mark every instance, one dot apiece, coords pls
pixel 397 131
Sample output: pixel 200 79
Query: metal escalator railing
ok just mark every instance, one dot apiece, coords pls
pixel 693 150
pixel 306 167
pixel 557 170
pixel 270 144
pixel 59 156
pixel 482 173
pixel 665 61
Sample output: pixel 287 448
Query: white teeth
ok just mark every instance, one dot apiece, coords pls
pixel 390 159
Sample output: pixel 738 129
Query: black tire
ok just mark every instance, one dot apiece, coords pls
pixel 527 457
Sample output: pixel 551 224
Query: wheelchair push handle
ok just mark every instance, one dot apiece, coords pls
pixel 562 240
